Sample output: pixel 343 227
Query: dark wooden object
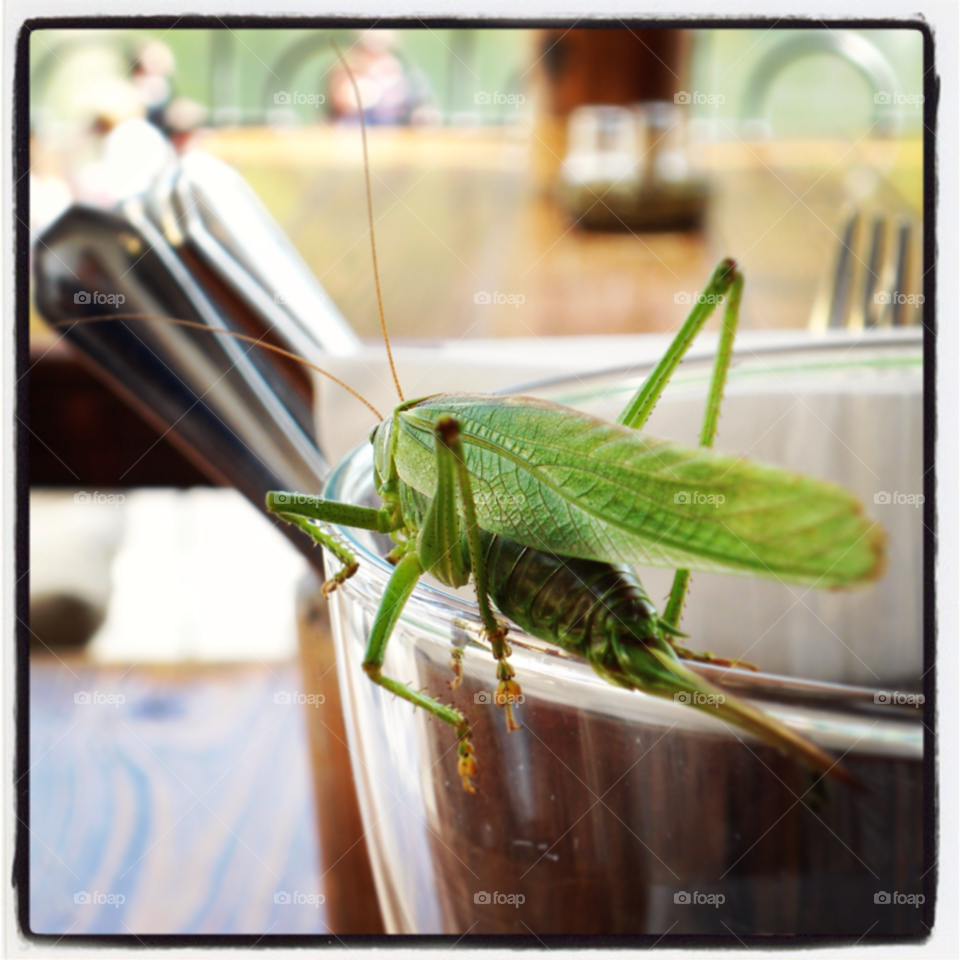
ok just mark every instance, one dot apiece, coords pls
pixel 83 435
pixel 612 66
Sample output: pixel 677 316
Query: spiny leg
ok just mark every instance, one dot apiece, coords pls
pixel 399 587
pixel 456 666
pixel 441 543
pixel 707 657
pixel 385 520
pixel 349 565
pixel 672 635
pixel 725 282
pixel 638 410
pixel 711 415
pixel 299 509
pixel 508 690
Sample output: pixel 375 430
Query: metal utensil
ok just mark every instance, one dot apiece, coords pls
pixel 872 279
pixel 206 392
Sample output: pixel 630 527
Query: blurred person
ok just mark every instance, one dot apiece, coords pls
pixel 126 124
pixel 182 118
pixel 151 70
pixel 389 91
pixel 177 118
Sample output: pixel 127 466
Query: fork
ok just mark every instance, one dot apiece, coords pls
pixel 871 281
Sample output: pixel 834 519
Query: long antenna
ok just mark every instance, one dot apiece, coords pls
pixel 230 333
pixel 373 245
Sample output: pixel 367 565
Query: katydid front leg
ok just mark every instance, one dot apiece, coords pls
pixel 348 561
pixel 299 509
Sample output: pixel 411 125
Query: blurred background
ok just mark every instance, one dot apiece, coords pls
pixel 567 190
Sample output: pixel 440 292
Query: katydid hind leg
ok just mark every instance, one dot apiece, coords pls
pixel 508 690
pixel 711 417
pixel 707 657
pixel 402 582
pixel 638 410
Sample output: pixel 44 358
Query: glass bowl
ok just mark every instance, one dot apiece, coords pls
pixel 612 812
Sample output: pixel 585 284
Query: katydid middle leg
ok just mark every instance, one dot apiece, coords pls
pixel 508 690
pixel 399 587
pixel 300 510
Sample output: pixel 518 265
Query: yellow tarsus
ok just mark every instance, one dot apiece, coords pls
pixel 466 765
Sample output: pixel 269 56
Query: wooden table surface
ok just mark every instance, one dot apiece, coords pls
pixel 192 799
pixel 460 211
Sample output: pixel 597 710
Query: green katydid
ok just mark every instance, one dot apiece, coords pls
pixel 545 506
pixel 539 502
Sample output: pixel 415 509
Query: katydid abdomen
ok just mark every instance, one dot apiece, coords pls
pixel 580 605
pixel 601 612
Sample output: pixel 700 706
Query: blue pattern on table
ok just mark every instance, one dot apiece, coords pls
pixel 191 799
